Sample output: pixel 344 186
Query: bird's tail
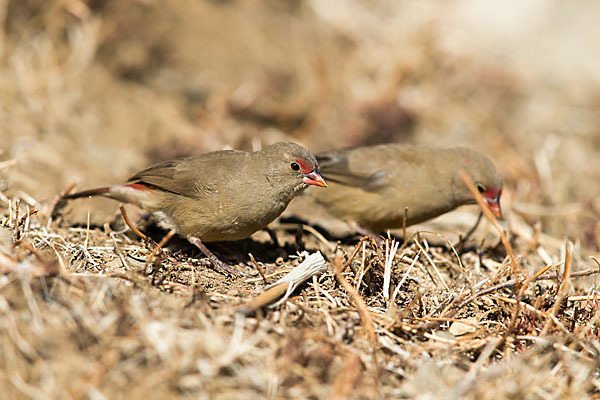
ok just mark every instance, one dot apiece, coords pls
pixel 134 193
pixel 62 199
pixel 86 193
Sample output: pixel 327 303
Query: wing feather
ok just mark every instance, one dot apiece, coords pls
pixel 191 176
pixel 335 167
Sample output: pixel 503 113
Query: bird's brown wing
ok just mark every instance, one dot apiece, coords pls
pixel 191 176
pixel 335 167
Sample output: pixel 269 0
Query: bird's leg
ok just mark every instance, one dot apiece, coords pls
pixel 474 227
pixel 220 265
pixel 366 232
pixel 272 235
pixel 464 239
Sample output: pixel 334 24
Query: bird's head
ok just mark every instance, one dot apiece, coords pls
pixel 289 164
pixel 486 179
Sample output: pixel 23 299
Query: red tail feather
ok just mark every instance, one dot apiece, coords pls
pixel 138 186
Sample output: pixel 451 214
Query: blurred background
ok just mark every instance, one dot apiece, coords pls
pixel 93 90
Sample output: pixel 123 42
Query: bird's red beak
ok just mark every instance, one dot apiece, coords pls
pixel 491 197
pixel 314 178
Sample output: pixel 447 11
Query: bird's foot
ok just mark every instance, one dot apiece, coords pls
pixel 366 232
pixel 273 235
pixel 218 264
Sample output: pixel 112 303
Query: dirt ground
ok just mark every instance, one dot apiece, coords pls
pixel 92 91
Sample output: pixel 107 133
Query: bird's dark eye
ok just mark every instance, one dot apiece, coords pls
pixel 481 188
pixel 295 166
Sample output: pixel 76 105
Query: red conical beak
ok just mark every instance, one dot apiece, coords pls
pixel 315 178
pixel 494 208
pixel 491 197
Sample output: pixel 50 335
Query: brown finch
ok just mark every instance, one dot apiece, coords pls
pixel 372 185
pixel 219 196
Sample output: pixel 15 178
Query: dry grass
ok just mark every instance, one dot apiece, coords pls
pixel 82 319
pixel 92 91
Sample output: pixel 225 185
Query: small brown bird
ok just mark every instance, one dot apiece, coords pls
pixel 372 185
pixel 219 196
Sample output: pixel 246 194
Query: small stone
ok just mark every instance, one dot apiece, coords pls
pixel 459 328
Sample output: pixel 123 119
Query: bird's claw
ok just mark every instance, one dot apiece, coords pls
pixel 220 265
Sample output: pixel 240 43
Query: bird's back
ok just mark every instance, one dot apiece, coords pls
pixel 373 185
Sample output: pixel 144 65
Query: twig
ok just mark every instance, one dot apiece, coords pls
pixel 390 252
pixel 254 280
pixel 405 276
pixel 579 298
pixel 562 288
pixel 361 271
pixel 89 256
pixel 404 218
pixel 258 268
pixel 10 213
pixel 130 225
pixel 365 316
pixel 87 228
pixel 355 252
pixel 310 229
pixel 16 227
pixel 27 217
pixel 454 251
pixel 160 245
pixel 433 264
pixel 264 298
pixel 118 252
pixel 546 268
